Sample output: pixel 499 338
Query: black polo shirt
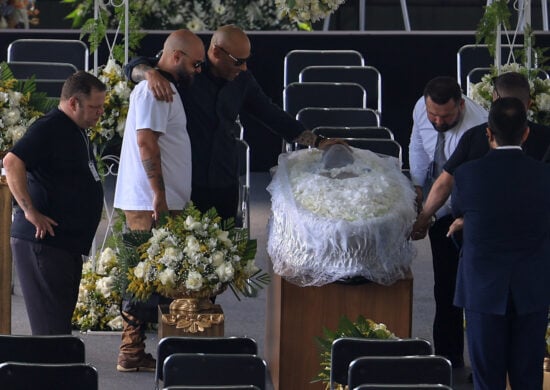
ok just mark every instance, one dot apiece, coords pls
pixel 56 153
pixel 474 144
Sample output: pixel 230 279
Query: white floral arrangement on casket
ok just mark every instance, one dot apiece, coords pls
pixel 343 222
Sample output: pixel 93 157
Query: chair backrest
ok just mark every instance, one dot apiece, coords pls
pixel 346 349
pixel 300 95
pixel 17 376
pixel 476 74
pixel 296 60
pixel 422 386
pixel 386 147
pixel 42 349
pixel 41 70
pixel 312 117
pixel 469 57
pixel 400 370
pixel 71 51
pixel 224 345
pixel 354 132
pixel 367 76
pixel 214 369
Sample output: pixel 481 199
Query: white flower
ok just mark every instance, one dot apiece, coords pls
pixel 225 272
pixel 223 236
pixel 167 277
pixel 105 285
pixel 106 260
pixel 16 132
pixel 116 323
pixel 217 258
pixel 194 281
pixel 191 245
pixel 250 268
pixel 139 270
pixel 191 224
pixel 11 117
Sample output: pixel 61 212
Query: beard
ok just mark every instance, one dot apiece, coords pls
pixel 445 127
pixel 185 79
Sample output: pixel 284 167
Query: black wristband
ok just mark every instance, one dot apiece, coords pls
pixel 318 140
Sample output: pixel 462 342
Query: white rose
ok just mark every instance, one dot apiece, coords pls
pixel 191 245
pixel 139 270
pixel 12 117
pixel 167 277
pixel 105 286
pixel 217 258
pixel 194 281
pixel 223 237
pixel 225 272
pixel 106 259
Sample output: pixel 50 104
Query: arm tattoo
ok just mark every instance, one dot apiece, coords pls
pixel 306 138
pixel 138 73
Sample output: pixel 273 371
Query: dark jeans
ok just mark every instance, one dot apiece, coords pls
pixel 225 200
pixel 448 327
pixel 49 278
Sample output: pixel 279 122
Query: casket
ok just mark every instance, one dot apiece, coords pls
pixel 334 221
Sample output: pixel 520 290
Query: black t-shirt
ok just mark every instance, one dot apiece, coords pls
pixel 474 145
pixel 56 153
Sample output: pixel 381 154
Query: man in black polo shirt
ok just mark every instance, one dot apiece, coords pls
pixel 52 174
pixel 474 145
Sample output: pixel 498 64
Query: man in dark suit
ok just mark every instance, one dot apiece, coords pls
pixel 503 280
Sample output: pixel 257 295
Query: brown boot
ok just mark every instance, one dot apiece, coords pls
pixel 132 356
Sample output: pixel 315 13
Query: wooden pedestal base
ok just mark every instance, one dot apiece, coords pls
pixel 167 327
pixel 296 315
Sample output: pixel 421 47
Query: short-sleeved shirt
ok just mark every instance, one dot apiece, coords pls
pixel 133 190
pixel 57 156
pixel 474 145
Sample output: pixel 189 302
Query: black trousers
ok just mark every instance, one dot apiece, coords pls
pixel 224 199
pixel 49 278
pixel 448 327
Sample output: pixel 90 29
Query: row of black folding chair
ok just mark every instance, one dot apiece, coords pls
pixel 71 51
pixel 296 60
pixel 400 370
pixel 214 369
pixel 354 132
pixel 312 117
pixel 346 349
pixel 367 76
pixel 209 345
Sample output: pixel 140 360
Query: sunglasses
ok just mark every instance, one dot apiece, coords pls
pixel 196 65
pixel 236 61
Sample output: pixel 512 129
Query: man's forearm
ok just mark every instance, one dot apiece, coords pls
pixel 439 193
pixel 139 72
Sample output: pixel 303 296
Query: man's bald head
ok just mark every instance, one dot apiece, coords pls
pixel 230 37
pixel 182 55
pixel 228 52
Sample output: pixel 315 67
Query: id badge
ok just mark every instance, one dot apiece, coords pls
pixel 94 171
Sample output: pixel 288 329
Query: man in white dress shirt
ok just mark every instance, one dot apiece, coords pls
pixel 441 116
pixel 154 176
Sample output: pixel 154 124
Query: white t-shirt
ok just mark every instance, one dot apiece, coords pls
pixel 133 191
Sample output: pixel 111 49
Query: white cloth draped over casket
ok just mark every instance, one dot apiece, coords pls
pixel 336 223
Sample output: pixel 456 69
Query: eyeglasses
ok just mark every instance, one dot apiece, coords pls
pixel 196 65
pixel 236 61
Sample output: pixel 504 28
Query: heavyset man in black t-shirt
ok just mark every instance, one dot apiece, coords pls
pixel 474 145
pixel 52 174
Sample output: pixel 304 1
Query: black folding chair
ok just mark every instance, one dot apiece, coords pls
pixel 354 132
pixel 23 376
pixel 214 369
pixel 400 370
pixel 367 76
pixel 211 345
pixel 243 213
pixel 312 117
pixel 346 349
pixel 42 349
pixel 296 60
pixel 70 51
pixel 42 70
pixel 469 57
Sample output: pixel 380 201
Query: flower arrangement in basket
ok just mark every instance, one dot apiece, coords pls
pixel 20 106
pixel 98 304
pixel 110 127
pixel 308 11
pixel 360 328
pixel 539 111
pixel 193 255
